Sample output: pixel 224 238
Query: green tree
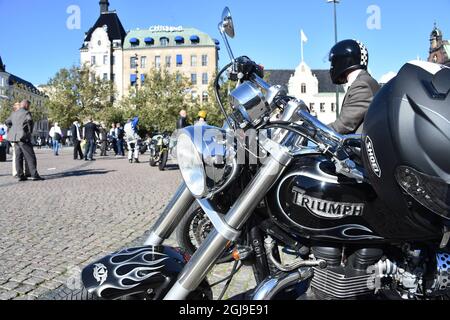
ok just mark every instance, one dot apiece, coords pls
pixel 158 101
pixel 76 94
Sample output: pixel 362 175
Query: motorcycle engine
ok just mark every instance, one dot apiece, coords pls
pixel 368 274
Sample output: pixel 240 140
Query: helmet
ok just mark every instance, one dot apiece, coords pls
pixel 406 149
pixel 347 56
pixel 202 114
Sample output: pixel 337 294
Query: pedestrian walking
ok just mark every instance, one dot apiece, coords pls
pixel 113 138
pixel 90 135
pixel 76 136
pixel 120 134
pixel 21 125
pixel 57 136
pixel 103 139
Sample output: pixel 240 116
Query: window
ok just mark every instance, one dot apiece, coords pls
pixel 303 87
pixel 322 107
pixel 205 96
pixel 179 60
pixel 142 79
pixel 133 79
pixel 194 95
pixel 157 62
pixel 93 60
pixel 204 60
pixel 194 78
pixel 143 62
pixel 178 77
pixel 2 82
pixel 113 77
pixel 133 62
pixel 113 61
pixel 105 59
pixel 92 77
pixel 105 77
pixel 164 42
pixel 205 78
pixel 193 61
pixel 333 107
pixel 168 61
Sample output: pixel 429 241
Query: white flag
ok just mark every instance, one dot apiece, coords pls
pixel 304 38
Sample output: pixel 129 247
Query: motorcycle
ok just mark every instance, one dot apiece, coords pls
pixel 274 177
pixel 159 150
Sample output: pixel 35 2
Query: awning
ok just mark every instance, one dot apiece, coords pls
pixel 133 77
pixel 149 40
pixel 195 38
pixel 134 40
pixel 217 42
pixel 179 59
pixel 179 39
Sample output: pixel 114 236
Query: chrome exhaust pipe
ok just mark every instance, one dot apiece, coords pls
pixel 269 288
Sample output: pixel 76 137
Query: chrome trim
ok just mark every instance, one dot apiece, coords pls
pixel 171 216
pixel 218 222
pixel 278 152
pixel 269 288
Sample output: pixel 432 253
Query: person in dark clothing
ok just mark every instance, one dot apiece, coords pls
pixel 182 121
pixel 21 127
pixel 76 138
pixel 104 139
pixel 349 62
pixel 120 135
pixel 90 130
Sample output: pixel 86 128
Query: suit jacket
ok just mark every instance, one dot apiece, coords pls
pixel 74 130
pixel 182 123
pixel 20 123
pixel 356 104
pixel 90 129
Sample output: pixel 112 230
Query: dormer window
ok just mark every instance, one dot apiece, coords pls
pixel 134 42
pixel 164 41
pixel 179 40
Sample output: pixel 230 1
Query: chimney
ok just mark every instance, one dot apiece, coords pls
pixel 104 6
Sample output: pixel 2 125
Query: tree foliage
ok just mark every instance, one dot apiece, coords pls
pixel 76 94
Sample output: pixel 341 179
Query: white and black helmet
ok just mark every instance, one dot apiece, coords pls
pixel 347 56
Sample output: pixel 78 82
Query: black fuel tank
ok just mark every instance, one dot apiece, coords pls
pixel 312 201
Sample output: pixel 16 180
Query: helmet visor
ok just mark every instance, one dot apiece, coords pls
pixel 431 192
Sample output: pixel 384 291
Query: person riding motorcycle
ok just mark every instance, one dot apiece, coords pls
pixel 133 139
pixel 349 62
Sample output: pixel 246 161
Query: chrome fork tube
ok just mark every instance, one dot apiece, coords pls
pixel 171 216
pixel 211 249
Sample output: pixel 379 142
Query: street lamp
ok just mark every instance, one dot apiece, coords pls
pixel 335 2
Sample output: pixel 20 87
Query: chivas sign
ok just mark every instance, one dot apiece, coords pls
pixel 327 209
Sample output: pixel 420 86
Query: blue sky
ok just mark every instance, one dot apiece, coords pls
pixel 35 42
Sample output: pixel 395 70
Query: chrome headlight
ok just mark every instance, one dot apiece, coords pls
pixel 207 160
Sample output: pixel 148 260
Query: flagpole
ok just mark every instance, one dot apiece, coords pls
pixel 303 60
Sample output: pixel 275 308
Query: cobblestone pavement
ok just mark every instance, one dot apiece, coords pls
pixel 83 211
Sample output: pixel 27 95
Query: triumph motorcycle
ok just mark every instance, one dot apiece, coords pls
pixel 276 180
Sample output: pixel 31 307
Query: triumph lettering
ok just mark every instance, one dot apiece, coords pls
pixel 327 209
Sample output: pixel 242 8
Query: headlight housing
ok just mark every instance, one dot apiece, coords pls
pixel 206 159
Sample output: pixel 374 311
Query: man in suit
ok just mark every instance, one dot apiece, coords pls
pixel 90 135
pixel 21 128
pixel 349 62
pixel 76 136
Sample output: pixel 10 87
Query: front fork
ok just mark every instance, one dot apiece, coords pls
pixel 227 229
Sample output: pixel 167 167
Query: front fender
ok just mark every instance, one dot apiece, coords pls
pixel 150 271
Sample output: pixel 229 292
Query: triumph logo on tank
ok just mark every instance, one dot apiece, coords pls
pixel 372 157
pixel 327 209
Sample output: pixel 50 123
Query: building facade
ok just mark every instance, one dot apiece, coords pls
pixel 14 89
pixel 314 87
pixel 127 57
pixel 439 48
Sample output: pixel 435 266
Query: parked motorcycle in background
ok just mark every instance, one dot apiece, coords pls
pixel 159 148
pixel 362 217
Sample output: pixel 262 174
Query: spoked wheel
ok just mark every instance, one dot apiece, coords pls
pixel 194 228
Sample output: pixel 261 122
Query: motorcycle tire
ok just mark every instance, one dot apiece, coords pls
pixel 195 217
pixel 163 161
